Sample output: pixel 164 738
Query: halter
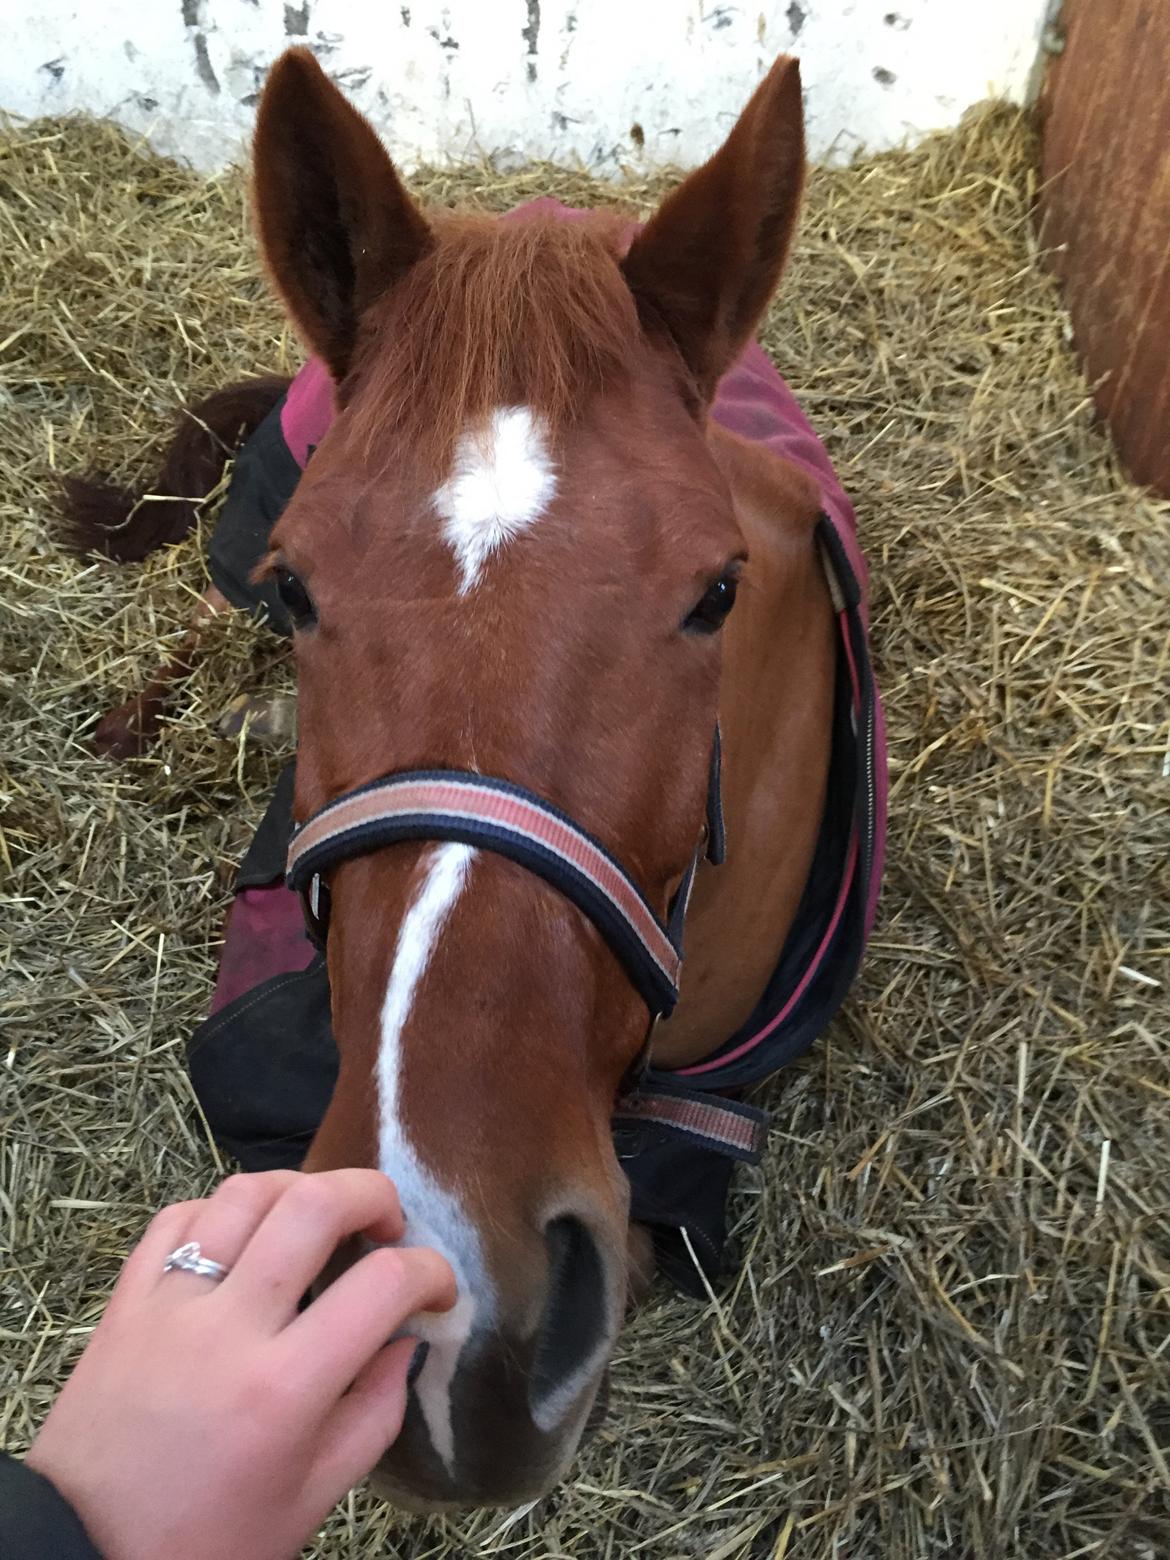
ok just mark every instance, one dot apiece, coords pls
pixel 511 821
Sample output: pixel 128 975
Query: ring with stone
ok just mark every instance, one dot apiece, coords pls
pixel 189 1258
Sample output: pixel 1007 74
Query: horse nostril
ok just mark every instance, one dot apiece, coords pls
pixel 574 1322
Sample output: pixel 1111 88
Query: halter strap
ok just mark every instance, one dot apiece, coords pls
pixel 497 815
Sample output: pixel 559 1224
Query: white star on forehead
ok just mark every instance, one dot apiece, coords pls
pixel 501 482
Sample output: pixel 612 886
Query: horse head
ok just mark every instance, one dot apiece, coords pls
pixel 511 556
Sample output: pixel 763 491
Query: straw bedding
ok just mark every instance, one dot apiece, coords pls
pixel 949 1333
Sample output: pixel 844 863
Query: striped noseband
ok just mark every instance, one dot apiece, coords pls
pixel 496 815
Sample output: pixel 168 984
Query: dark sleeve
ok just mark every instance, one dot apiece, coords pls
pixel 36 1523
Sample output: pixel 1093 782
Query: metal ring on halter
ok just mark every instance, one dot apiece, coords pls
pixel 189 1258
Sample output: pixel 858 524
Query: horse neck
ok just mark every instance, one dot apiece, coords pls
pixel 776 723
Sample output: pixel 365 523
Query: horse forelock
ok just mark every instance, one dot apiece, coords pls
pixel 531 312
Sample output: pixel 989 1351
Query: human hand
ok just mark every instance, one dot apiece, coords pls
pixel 209 1420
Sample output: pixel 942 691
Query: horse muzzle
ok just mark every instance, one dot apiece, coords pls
pixel 495 1417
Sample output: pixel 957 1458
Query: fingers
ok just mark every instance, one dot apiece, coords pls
pixel 221 1223
pixel 226 1222
pixel 365 1422
pixel 165 1231
pixel 351 1320
pixel 301 1231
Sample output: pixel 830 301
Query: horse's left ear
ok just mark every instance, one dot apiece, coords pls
pixel 337 227
pixel 707 262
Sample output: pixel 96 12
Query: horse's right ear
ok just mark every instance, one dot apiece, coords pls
pixel 336 226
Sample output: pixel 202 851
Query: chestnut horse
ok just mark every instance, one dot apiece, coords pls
pixel 515 553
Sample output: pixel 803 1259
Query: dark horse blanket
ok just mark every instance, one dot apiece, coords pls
pixel 264 1063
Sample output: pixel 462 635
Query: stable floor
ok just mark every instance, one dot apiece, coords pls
pixel 948 1335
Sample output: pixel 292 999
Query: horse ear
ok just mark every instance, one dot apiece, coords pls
pixel 707 262
pixel 336 226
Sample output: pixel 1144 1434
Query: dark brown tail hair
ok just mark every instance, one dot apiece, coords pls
pixel 126 526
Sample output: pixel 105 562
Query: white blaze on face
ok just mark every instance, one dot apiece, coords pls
pixel 501 482
pixel 433 1215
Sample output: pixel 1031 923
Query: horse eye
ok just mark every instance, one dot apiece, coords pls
pixel 295 599
pixel 717 601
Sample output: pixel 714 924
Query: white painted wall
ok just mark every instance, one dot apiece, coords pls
pixel 564 79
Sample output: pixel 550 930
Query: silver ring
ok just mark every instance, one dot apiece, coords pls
pixel 190 1259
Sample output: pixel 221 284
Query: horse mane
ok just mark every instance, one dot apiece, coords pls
pixel 533 311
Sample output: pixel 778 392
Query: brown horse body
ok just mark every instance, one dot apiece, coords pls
pixel 511 555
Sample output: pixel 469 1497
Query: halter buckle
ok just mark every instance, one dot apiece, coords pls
pixel 315 907
pixel 635 1074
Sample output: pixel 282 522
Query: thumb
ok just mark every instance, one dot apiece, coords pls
pixel 365 1421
